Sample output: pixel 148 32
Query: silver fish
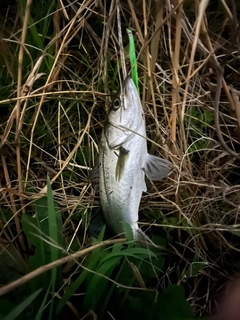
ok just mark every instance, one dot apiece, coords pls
pixel 124 161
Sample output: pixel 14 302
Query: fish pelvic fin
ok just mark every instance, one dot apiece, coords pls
pixel 121 163
pixel 139 235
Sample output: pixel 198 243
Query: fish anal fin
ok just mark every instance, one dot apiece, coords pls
pixel 156 168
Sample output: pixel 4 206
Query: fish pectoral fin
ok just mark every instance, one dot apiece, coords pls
pixel 156 168
pixel 121 163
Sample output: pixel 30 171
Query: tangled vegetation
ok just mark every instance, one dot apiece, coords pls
pixel 60 66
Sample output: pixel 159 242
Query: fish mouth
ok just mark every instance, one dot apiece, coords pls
pixel 130 95
pixel 128 85
pixel 126 91
pixel 127 80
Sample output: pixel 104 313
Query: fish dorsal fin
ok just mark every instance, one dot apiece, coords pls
pixel 94 177
pixel 96 224
pixel 156 168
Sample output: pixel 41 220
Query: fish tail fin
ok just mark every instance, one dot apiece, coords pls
pixel 139 235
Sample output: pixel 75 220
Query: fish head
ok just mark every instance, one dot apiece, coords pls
pixel 125 115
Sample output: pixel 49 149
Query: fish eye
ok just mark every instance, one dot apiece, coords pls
pixel 116 104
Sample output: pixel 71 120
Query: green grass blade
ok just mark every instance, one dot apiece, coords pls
pixel 133 60
pixel 42 306
pixel 19 309
pixel 47 22
pixel 129 233
pixel 131 252
pixel 90 263
pixel 93 296
pixel 34 229
pixel 38 41
pixel 53 233
pixel 106 267
pixel 74 286
pixel 44 231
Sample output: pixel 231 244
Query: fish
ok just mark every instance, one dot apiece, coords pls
pixel 124 161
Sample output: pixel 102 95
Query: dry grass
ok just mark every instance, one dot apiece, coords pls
pixel 54 106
